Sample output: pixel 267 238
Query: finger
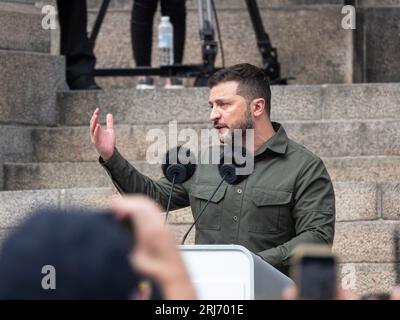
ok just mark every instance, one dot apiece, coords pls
pixel 290 293
pixel 138 205
pixel 95 112
pixel 125 211
pixel 142 211
pixel 120 209
pixel 342 294
pixel 110 121
pixel 96 133
pixel 118 213
pixel 93 122
pixel 112 199
pixel 395 295
pixel 143 264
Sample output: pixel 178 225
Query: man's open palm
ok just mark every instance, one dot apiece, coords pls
pixel 103 140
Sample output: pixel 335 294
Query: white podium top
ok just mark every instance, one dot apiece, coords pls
pixel 231 272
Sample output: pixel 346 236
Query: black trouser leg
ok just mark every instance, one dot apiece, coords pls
pixel 176 10
pixel 142 30
pixel 75 45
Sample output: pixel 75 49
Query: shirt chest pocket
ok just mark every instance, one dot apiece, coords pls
pixel 211 217
pixel 269 211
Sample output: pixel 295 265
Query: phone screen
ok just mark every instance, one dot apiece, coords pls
pixel 318 277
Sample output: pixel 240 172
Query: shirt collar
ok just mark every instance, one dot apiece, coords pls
pixel 278 143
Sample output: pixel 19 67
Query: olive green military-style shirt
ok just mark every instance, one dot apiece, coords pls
pixel 286 201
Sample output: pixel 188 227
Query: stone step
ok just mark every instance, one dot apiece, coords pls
pixel 230 4
pixel 325 138
pixel 355 200
pixel 351 241
pixel 59 175
pixel 15 146
pixel 28 86
pixel 17 205
pixel 21 28
pixel 225 4
pixel 328 57
pixel 19 1
pixel 378 3
pixel 190 105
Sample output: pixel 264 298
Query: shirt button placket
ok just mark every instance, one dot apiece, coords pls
pixel 235 217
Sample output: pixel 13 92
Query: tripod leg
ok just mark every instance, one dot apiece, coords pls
pixel 98 22
pixel 209 46
pixel 268 53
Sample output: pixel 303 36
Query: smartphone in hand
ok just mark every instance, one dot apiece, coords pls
pixel 314 270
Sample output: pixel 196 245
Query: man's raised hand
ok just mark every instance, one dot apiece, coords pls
pixel 103 140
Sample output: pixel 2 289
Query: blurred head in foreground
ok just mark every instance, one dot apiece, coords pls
pixel 89 253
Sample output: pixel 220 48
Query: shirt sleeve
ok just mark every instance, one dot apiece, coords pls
pixel 128 180
pixel 313 213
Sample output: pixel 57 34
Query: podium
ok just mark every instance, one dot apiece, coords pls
pixel 231 272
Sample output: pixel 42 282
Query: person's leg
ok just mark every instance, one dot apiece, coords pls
pixel 142 35
pixel 142 30
pixel 176 11
pixel 80 60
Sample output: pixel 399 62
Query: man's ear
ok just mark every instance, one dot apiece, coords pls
pixel 258 107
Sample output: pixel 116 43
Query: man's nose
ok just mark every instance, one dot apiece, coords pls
pixel 215 114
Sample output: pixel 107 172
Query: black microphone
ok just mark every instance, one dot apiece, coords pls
pixel 177 171
pixel 227 171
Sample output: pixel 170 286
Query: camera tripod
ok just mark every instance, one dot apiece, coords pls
pixel 209 48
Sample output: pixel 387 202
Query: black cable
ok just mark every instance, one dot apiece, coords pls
pixel 202 211
pixel 169 198
pixel 219 34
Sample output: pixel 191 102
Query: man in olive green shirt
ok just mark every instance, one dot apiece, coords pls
pixel 287 200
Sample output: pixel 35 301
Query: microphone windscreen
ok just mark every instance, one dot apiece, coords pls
pixel 179 162
pixel 228 170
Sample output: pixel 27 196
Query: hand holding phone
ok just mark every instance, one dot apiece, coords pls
pixel 314 271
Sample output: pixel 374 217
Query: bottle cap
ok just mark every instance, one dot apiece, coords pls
pixel 164 19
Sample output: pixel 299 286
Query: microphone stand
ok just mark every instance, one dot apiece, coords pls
pixel 202 210
pixel 170 197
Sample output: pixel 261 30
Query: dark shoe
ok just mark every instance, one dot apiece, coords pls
pixel 145 83
pixel 84 83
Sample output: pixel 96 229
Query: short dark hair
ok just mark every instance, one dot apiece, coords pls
pixel 253 82
pixel 89 251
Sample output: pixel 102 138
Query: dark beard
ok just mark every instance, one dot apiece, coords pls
pixel 245 124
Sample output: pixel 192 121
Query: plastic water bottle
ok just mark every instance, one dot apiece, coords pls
pixel 165 42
